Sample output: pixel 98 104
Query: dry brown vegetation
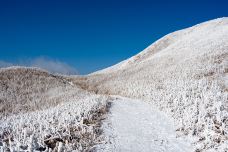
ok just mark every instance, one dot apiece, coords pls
pixel 28 89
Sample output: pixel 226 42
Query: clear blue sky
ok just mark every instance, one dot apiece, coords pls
pixel 94 34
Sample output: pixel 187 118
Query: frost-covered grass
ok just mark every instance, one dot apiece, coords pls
pixel 69 126
pixel 28 89
pixel 184 74
pixel 44 112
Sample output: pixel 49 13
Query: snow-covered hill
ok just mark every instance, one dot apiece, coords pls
pixel 184 74
pixel 40 111
pixel 29 89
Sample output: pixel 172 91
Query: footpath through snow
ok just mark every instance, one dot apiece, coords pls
pixel 136 126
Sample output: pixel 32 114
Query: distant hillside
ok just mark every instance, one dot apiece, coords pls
pixel 29 89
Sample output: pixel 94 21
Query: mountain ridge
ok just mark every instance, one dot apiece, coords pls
pixel 159 44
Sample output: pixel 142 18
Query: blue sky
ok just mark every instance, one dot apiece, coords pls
pixel 90 35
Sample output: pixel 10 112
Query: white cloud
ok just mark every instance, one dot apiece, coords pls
pixel 5 64
pixel 53 66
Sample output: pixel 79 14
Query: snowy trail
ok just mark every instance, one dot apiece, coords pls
pixel 135 126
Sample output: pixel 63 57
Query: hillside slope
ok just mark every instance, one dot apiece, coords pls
pixel 43 112
pixel 30 89
pixel 184 74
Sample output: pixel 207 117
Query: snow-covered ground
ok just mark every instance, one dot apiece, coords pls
pixel 134 126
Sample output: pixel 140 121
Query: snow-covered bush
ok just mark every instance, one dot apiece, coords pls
pixel 74 125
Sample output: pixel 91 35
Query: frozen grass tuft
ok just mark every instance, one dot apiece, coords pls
pixel 71 126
